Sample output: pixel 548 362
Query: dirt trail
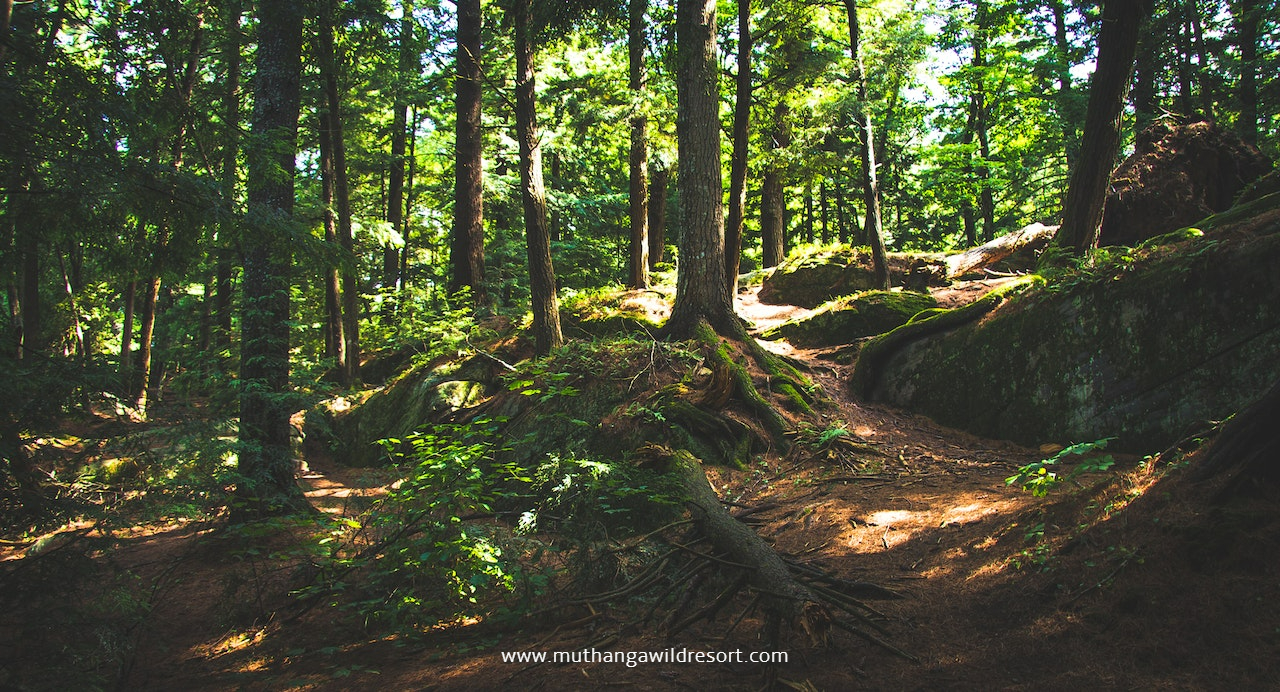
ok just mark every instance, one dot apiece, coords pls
pixel 1108 585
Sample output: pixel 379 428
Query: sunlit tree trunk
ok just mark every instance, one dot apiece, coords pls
pixel 824 211
pixel 542 279
pixel 773 201
pixel 342 196
pixel 638 191
pixel 1117 47
pixel 335 345
pixel 870 185
pixel 702 290
pixel 399 127
pixel 221 335
pixel 267 484
pixel 657 216
pixel 1065 95
pixel 741 141
pixel 466 258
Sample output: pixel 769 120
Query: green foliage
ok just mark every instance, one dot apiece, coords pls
pixel 589 500
pixel 433 565
pixel 1041 477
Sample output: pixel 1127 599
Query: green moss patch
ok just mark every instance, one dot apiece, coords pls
pixel 850 318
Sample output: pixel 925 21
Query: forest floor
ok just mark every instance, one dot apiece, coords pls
pixel 1131 579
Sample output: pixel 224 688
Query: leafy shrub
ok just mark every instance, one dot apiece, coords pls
pixel 1040 477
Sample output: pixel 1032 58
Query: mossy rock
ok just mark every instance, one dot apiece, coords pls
pixel 844 320
pixel 1146 355
pixel 421 396
pixel 809 279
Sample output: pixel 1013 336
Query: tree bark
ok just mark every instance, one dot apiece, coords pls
pixel 335 345
pixel 702 289
pixel 410 170
pixel 267 484
pixel 1087 193
pixel 32 338
pixel 808 212
pixel 773 201
pixel 1148 65
pixel 342 195
pixel 741 143
pixel 824 211
pixel 399 128
pixel 870 185
pixel 146 333
pixel 638 191
pixel 221 336
pixel 657 216
pixel 466 258
pixel 126 338
pixel 1065 95
pixel 1246 15
pixel 542 279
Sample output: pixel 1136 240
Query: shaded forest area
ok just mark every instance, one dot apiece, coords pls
pixel 361 344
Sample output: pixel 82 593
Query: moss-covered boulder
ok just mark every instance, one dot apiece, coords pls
pixel 809 279
pixel 351 429
pixel 845 320
pixel 1145 350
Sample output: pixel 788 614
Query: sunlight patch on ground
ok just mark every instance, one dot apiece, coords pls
pixel 233 642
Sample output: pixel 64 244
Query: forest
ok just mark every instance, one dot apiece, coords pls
pixel 654 344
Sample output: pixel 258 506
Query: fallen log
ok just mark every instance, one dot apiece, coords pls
pixel 987 254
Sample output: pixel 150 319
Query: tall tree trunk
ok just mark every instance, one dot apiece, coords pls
pixel 741 142
pixel 32 337
pixel 871 187
pixel 657 216
pixel 824 210
pixel 702 289
pixel 556 183
pixel 399 127
pixel 143 380
pixel 1246 15
pixel 1202 60
pixel 410 169
pixel 980 112
pixel 842 224
pixel 333 101
pixel 638 191
pixel 542 278
pixel 335 345
pixel 1186 72
pixel 1064 98
pixel 772 223
pixel 1117 46
pixel 126 338
pixel 466 257
pixel 808 226
pixel 231 142
pixel 1148 66
pixel 773 203
pixel 267 483
pixel 182 99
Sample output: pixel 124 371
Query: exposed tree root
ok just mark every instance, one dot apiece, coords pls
pixel 1249 445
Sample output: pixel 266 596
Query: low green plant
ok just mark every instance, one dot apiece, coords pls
pixel 1043 476
pixel 429 564
pixel 588 500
